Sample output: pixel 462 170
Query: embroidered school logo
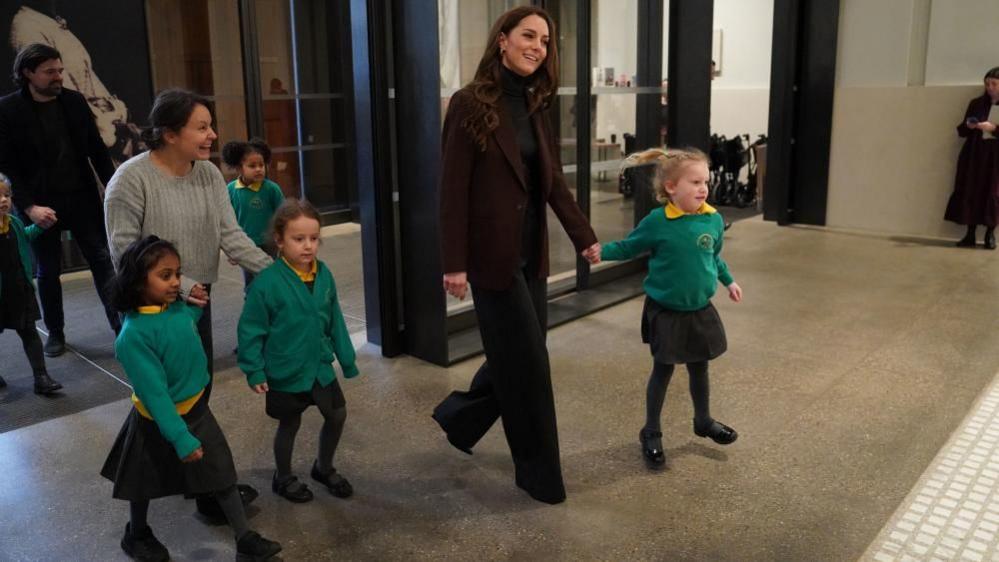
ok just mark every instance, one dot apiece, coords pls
pixel 256 203
pixel 705 242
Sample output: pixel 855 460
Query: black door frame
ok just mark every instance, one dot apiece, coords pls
pixel 802 85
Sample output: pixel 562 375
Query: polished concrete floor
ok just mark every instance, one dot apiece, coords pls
pixel 851 361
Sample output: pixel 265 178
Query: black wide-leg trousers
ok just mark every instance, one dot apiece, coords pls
pixel 513 384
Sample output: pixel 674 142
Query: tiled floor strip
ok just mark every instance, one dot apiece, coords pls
pixel 953 512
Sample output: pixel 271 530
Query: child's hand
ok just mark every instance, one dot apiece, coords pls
pixel 195 456
pixel 260 388
pixel 592 254
pixel 735 292
pixel 232 261
pixel 200 303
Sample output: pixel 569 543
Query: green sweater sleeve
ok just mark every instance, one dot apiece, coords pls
pixel 148 380
pixel 342 345
pixel 32 232
pixel 723 274
pixel 251 334
pixel 639 240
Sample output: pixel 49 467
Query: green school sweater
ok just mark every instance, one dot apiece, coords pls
pixel 164 361
pixel 254 209
pixel 290 336
pixel 685 264
pixel 23 236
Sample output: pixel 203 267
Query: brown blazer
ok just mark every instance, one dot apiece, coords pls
pixel 483 198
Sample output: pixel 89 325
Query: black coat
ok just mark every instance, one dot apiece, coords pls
pixel 22 146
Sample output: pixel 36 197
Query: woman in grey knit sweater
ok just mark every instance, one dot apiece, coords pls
pixel 174 192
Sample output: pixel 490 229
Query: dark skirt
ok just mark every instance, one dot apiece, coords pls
pixel 18 306
pixel 144 466
pixel 280 405
pixel 682 337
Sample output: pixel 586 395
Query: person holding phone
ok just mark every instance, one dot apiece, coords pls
pixel 975 199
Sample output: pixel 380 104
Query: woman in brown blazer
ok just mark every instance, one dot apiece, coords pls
pixel 500 166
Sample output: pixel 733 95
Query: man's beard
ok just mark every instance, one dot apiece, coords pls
pixel 52 90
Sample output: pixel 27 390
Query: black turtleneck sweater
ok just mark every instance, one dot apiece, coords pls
pixel 514 100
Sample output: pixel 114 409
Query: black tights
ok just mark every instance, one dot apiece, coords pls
pixel 229 500
pixel 329 437
pixel 33 348
pixel 655 393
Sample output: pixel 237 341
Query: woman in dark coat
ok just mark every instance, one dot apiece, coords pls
pixel 976 189
pixel 500 167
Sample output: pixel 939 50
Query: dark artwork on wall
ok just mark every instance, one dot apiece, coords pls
pixel 105 54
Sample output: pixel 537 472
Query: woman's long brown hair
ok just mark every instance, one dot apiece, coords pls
pixel 541 87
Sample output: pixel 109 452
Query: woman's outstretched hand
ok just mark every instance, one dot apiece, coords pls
pixel 456 284
pixel 592 254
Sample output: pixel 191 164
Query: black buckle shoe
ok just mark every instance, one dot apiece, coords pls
pixel 252 547
pixel 652 446
pixel 55 345
pixel 718 432
pixel 44 384
pixel 143 545
pixel 334 482
pixel 966 242
pixel 291 489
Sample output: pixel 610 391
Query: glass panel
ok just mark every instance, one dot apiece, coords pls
pixel 615 61
pixel 561 252
pixel 324 121
pixel 740 101
pixel 195 44
pixel 325 173
pixel 303 69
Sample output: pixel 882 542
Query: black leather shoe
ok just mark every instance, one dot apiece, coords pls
pixel 247 493
pixel 143 545
pixel 652 446
pixel 291 489
pixel 55 345
pixel 45 385
pixel 718 432
pixel 990 239
pixel 251 546
pixel 336 484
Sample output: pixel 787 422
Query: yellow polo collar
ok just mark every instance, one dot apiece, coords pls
pixel 255 186
pixel 674 212
pixel 305 277
pixel 5 224
pixel 151 309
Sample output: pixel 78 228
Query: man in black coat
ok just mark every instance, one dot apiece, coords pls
pixel 50 148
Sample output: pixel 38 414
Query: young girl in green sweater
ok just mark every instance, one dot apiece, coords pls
pixel 170 443
pixel 253 196
pixel 18 307
pixel 684 239
pixel 290 332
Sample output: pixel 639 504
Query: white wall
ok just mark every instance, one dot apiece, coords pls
pixel 894 146
pixel 615 46
pixel 962 42
pixel 740 95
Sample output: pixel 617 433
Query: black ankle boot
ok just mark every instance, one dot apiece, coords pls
pixel 44 384
pixel 969 238
pixel 55 345
pixel 990 239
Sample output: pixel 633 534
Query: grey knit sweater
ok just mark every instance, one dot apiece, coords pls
pixel 192 211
